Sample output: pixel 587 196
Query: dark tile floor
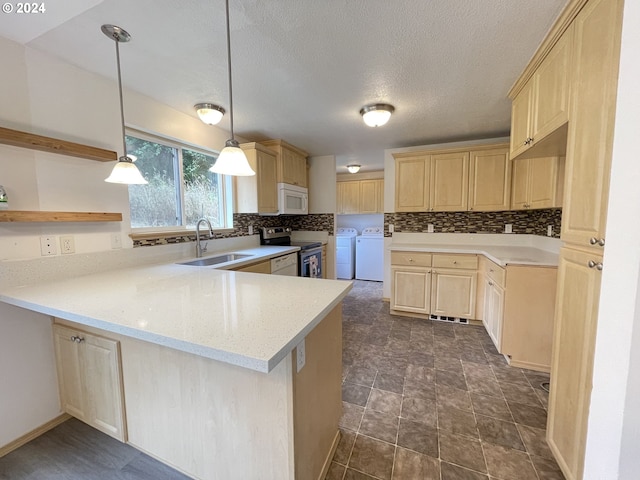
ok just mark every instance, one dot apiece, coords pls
pixel 433 400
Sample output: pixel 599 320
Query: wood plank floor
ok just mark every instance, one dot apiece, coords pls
pixel 75 451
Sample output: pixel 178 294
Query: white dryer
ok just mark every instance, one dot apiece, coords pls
pixel 346 252
pixel 370 254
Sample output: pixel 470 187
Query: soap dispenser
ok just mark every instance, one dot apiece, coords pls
pixel 4 200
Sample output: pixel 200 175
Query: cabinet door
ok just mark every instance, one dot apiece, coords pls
pixel 410 289
pixel 543 173
pixel 520 184
pixel 453 293
pixel 380 195
pixel 103 385
pixel 300 170
pixel 262 267
pixel 70 374
pixel 571 367
pixel 412 184
pixel 348 197
pixel 552 81
pixel 489 180
pixel 520 119
pixel 494 312
pixel 267 183
pixel 590 137
pixel 290 166
pixel 449 186
pixel 369 192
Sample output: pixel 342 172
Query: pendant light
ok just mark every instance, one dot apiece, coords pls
pixel 232 160
pixel 124 172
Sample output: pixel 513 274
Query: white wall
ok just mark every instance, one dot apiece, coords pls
pixel 360 221
pixel 322 188
pixel 614 417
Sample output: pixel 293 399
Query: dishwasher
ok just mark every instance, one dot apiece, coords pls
pixel 285 265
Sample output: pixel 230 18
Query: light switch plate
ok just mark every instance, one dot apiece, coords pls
pixel 429 227
pixel 392 228
pixel 301 355
pixel 508 228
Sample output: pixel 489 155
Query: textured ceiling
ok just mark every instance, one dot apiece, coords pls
pixel 303 69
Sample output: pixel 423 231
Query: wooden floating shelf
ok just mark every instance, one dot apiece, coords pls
pixel 37 216
pixel 53 145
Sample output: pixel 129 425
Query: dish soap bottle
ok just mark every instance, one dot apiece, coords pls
pixel 4 200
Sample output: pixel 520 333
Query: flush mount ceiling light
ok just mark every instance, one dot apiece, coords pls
pixel 232 160
pixel 377 114
pixel 209 113
pixel 124 171
pixel 353 168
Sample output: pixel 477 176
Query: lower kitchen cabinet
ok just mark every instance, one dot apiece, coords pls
pixel 576 320
pixel 411 289
pixel 90 379
pixel 493 310
pixel 453 293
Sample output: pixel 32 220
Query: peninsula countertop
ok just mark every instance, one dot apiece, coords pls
pixel 245 319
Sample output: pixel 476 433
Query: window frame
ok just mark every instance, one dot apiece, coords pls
pixel 179 145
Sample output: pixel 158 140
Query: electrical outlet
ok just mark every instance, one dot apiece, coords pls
pixel 429 227
pixel 116 241
pixel 508 228
pixel 67 245
pixel 550 231
pixel 392 228
pixel 250 229
pixel 48 245
pixel 301 355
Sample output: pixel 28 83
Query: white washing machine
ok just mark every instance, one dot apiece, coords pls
pixel 370 254
pixel 346 252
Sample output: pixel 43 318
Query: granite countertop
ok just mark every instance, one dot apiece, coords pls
pixel 503 255
pixel 245 319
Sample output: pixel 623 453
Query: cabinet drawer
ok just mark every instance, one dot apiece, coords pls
pixel 496 273
pixel 468 262
pixel 415 259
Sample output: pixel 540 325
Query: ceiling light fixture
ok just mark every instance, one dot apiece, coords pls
pixel 124 171
pixel 377 114
pixel 353 168
pixel 232 160
pixel 209 113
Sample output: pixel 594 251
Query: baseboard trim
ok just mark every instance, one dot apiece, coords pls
pixel 35 433
pixel 529 365
pixel 327 462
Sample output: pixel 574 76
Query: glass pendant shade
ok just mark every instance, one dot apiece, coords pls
pixel 209 113
pixel 376 115
pixel 125 172
pixel 232 161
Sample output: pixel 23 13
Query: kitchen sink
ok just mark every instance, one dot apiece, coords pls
pixel 215 260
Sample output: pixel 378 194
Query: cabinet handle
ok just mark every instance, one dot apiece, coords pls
pixel 491 284
pixel 597 266
pixel 593 240
pixel 491 270
pixel 601 242
pixel 77 339
pixel 455 262
pixel 410 259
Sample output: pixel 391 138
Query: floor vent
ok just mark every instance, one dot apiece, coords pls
pixel 442 318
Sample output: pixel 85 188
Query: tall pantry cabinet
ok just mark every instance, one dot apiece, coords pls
pixel 592 29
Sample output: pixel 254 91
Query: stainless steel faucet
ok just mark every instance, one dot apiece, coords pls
pixel 200 249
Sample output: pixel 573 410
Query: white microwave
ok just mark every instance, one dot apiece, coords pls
pixel 292 200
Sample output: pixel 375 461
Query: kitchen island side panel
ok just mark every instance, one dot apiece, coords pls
pixel 211 420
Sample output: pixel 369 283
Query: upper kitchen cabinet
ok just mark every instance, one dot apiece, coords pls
pixel 489 180
pixel 590 137
pixel 258 193
pixel 291 162
pixel 541 106
pixel 449 185
pixel 412 183
pixel 360 196
pixel 537 183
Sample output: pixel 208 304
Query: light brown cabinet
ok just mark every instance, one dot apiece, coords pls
pixel 453 180
pixel 537 183
pixel 542 106
pixel 90 379
pixel 259 267
pixel 291 162
pixel 433 284
pixel 258 193
pixel 489 180
pixel 360 196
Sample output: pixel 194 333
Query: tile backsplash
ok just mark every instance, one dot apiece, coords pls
pixel 533 222
pixel 241 222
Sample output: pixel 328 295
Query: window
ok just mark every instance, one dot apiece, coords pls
pixel 181 188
